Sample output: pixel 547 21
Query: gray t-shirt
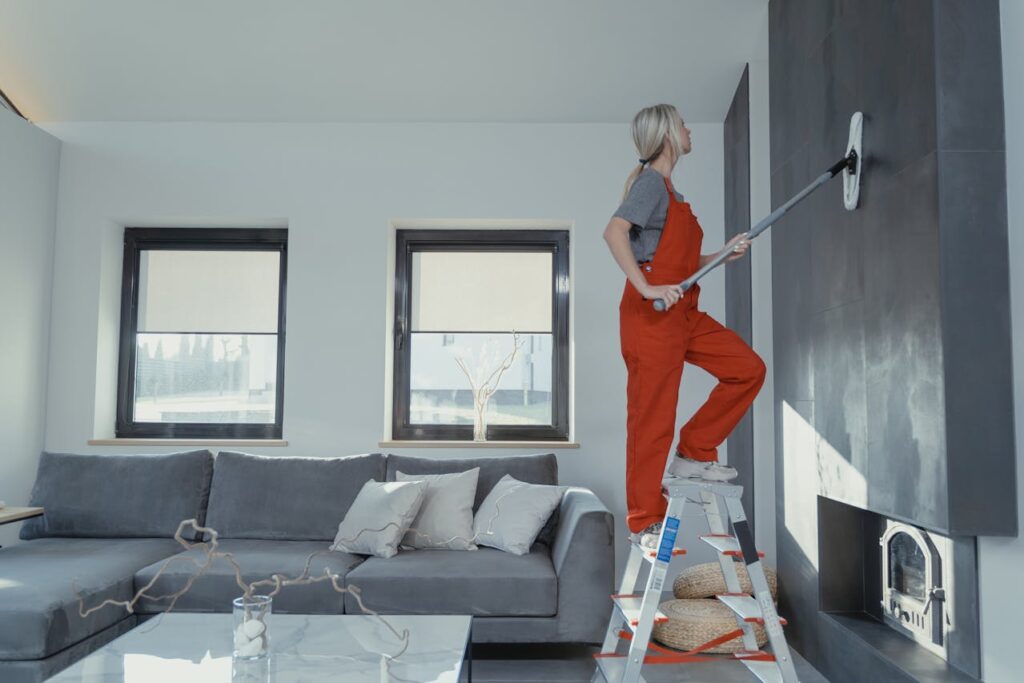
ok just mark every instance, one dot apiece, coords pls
pixel 646 207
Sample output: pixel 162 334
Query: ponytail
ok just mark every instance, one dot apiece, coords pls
pixel 651 127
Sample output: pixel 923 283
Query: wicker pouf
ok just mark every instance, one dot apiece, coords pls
pixel 706 580
pixel 695 622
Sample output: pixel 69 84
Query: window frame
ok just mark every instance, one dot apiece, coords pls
pixel 409 240
pixel 138 239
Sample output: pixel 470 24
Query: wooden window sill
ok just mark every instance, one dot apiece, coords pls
pixel 478 444
pixel 187 442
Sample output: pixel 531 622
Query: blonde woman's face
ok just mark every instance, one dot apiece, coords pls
pixel 684 135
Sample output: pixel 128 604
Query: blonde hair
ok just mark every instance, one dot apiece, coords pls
pixel 651 126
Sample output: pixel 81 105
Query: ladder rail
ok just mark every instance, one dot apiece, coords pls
pixel 719 524
pixel 762 592
pixel 630 575
pixel 652 592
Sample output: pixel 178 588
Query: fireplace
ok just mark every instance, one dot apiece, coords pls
pixel 901 598
pixel 915 591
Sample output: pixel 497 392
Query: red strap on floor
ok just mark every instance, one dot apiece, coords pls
pixel 690 656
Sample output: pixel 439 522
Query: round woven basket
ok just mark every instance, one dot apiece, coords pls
pixel 706 581
pixel 695 622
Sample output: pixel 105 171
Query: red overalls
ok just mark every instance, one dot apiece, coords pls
pixel 654 346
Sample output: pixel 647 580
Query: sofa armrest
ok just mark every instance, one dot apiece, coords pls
pixel 583 556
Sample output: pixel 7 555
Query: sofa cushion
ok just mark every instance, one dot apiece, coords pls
pixel 259 559
pixel 119 496
pixel 484 582
pixel 38 608
pixel 533 469
pixel 286 497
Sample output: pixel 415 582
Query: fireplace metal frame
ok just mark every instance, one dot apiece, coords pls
pixel 927 621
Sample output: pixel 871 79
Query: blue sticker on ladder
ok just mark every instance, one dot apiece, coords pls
pixel 668 539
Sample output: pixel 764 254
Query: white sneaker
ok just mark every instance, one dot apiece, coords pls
pixel 686 468
pixel 648 538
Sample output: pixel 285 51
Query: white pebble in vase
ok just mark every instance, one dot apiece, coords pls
pixel 251 638
pixel 253 628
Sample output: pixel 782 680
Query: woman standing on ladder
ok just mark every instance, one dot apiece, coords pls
pixel 656 240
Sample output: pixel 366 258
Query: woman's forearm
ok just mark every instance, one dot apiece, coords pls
pixel 706 259
pixel 618 243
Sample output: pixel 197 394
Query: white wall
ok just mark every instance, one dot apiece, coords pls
pixel 1000 560
pixel 336 187
pixel 29 163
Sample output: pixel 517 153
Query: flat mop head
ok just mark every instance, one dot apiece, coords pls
pixel 855 166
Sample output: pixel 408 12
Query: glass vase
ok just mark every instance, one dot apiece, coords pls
pixel 252 620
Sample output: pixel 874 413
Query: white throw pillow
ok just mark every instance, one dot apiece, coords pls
pixel 445 519
pixel 513 513
pixel 379 517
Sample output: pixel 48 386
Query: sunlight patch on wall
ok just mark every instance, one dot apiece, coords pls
pixel 800 479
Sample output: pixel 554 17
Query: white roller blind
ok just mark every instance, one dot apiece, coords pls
pixel 208 291
pixel 486 291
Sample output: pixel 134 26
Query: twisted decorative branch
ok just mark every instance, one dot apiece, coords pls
pixel 277 580
pixel 482 393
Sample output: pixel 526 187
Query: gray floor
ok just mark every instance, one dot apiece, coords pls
pixel 565 664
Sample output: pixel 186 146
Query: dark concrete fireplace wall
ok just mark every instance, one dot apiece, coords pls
pixel 738 314
pixel 891 323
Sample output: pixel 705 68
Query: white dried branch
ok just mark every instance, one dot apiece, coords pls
pixel 517 344
pixel 277 580
pixel 482 392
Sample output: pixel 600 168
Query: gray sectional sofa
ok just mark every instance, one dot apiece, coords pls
pixel 110 522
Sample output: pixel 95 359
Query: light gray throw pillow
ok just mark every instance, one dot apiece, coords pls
pixel 445 520
pixel 513 513
pixel 379 517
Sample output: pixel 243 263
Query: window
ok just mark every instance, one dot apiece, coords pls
pixel 464 299
pixel 202 333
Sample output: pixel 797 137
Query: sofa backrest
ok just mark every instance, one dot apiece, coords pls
pixel 286 497
pixel 533 469
pixel 119 496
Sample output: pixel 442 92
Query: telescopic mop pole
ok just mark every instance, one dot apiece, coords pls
pixel 849 163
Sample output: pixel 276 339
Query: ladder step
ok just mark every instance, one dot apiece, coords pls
pixel 651 555
pixel 629 606
pixel 726 544
pixel 745 606
pixel 766 672
pixel 674 487
pixel 612 667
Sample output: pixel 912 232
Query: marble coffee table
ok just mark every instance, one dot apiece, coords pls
pixel 350 647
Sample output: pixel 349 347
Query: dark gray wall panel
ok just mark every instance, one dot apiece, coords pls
pixel 877 313
pixel 837 252
pixel 969 70
pixel 791 303
pixel 965 641
pixel 903 349
pixel 839 404
pixel 736 145
pixel 975 301
pixel 977 342
pixel 897 68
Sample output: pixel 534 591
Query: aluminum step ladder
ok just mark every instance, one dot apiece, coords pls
pixel 634 615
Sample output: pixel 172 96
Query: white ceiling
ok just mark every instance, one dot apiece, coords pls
pixel 373 60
